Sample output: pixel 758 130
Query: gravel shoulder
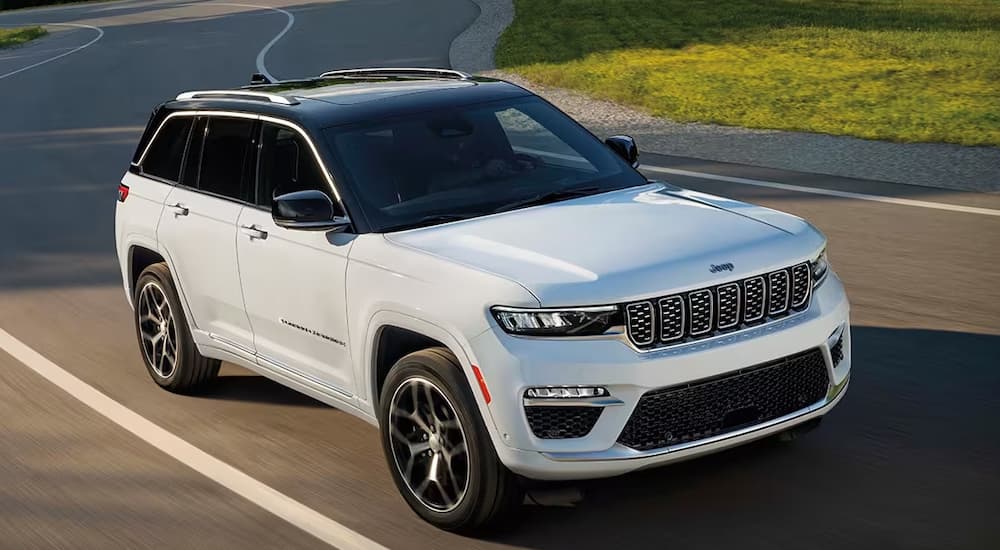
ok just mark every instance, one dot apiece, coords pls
pixel 937 165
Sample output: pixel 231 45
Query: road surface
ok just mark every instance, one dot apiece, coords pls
pixel 910 459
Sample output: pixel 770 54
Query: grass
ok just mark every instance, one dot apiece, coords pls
pixel 19 35
pixel 899 70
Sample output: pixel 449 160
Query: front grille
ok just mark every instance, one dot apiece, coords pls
pixel 777 292
pixel 561 422
pixel 716 310
pixel 671 318
pixel 707 408
pixel 754 290
pixel 801 284
pixel 640 322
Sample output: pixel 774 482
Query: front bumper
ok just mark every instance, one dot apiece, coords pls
pixel 510 365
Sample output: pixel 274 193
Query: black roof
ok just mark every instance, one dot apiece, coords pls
pixel 323 102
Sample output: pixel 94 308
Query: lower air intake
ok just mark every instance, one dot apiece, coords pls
pixel 707 408
pixel 561 422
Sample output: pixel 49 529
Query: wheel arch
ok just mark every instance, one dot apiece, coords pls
pixel 141 255
pixel 139 258
pixel 393 335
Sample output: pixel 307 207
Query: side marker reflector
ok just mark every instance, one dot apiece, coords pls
pixel 122 192
pixel 482 384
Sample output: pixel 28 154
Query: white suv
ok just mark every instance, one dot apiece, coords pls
pixel 455 260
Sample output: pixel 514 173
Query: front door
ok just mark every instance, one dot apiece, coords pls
pixel 294 280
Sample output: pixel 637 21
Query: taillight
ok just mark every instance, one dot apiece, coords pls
pixel 122 192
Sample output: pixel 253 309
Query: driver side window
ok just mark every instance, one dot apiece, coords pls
pixel 286 164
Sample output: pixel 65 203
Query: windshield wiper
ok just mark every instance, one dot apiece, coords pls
pixel 551 196
pixel 433 219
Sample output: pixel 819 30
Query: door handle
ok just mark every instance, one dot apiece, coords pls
pixel 253 232
pixel 179 209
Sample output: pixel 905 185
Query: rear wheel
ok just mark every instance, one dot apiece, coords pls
pixel 168 350
pixel 437 446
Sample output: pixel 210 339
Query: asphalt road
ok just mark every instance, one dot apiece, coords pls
pixel 911 458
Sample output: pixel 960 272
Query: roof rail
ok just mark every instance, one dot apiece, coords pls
pixel 399 71
pixel 238 94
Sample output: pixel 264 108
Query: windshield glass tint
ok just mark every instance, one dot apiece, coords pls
pixel 471 161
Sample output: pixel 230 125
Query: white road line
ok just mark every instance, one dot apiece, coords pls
pixel 261 67
pixel 100 33
pixel 279 504
pixel 827 192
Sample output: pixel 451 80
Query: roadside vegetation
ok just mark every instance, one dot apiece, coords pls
pixel 18 4
pixel 19 35
pixel 913 70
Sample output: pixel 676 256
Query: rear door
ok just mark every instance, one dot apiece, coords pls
pixel 198 227
pixel 294 280
pixel 145 187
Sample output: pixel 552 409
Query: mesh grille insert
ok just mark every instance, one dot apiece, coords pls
pixel 777 291
pixel 561 422
pixel 640 322
pixel 729 305
pixel 754 291
pixel 681 414
pixel 700 312
pixel 837 351
pixel 801 284
pixel 671 318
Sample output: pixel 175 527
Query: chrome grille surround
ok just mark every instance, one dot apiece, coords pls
pixel 700 304
pixel 755 292
pixel 729 305
pixel 707 312
pixel 778 290
pixel 639 320
pixel 801 284
pixel 671 318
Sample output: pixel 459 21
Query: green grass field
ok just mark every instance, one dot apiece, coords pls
pixel 19 35
pixel 904 70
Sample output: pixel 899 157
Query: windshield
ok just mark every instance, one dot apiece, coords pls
pixel 469 161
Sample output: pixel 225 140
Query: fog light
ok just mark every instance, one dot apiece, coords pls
pixel 550 392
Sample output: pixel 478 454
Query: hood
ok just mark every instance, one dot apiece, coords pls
pixel 628 244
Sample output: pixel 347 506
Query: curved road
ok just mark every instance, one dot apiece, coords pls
pixel 911 458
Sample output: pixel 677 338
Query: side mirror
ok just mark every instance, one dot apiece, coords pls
pixel 310 210
pixel 625 147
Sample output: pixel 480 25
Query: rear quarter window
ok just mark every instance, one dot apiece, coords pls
pixel 166 152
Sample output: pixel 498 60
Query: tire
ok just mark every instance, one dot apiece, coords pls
pixel 158 311
pixel 490 494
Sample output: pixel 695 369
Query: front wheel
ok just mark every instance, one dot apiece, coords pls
pixel 437 446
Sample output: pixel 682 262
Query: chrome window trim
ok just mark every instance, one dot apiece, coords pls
pixel 263 118
pixel 652 330
pixel 711 311
pixel 679 298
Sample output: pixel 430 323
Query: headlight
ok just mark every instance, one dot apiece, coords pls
pixel 819 268
pixel 580 321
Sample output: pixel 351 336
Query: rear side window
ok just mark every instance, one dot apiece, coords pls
pixel 224 157
pixel 166 153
